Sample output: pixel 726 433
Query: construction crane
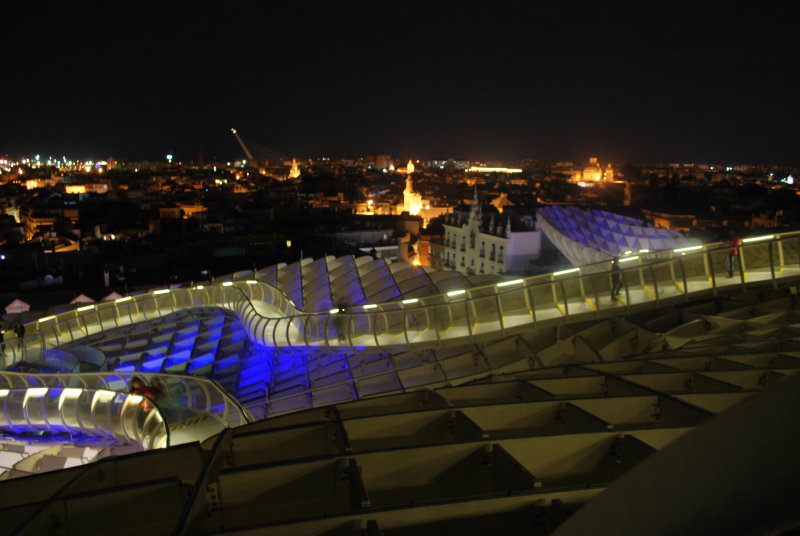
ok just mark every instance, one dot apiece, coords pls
pixel 250 157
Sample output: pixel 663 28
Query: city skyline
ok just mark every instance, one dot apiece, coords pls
pixel 631 84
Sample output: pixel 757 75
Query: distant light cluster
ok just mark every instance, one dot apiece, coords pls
pixel 478 169
pixel 63 164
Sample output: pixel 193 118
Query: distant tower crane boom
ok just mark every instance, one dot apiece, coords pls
pixel 250 157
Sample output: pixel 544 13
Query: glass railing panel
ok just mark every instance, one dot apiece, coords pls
pixel 255 326
pixel 788 249
pixel 420 324
pixel 544 297
pixel 149 307
pixel 296 329
pixel 640 285
pixel 485 314
pixel 128 408
pixel 108 407
pixel 514 304
pixel 52 406
pixel 127 312
pixel 314 331
pixel 90 321
pixel 72 326
pixel 719 262
pixel 695 269
pixel 664 279
pixel 454 317
pixel 108 316
pixel 72 402
pixel 441 319
pixel 14 409
pixel 186 297
pixel 596 289
pixel 756 261
pixel 283 331
pixel 390 328
pixel 90 411
pixel 569 291
pixel 35 401
pixel 153 431
pixel 10 353
pixel 361 328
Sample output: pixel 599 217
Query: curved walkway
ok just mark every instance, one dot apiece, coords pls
pixel 76 401
pixel 456 317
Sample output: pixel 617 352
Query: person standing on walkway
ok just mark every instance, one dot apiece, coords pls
pixel 733 252
pixel 616 278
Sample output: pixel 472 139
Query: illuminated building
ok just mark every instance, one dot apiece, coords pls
pixel 412 201
pixel 501 202
pixel 420 405
pixel 295 171
pixel 476 243
pixel 413 204
pixel 97 188
pixel 594 173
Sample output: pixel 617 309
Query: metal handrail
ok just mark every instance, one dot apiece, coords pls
pixel 202 394
pixel 91 412
pixel 272 319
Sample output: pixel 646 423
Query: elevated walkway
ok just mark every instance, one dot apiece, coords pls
pixel 459 316
pixel 97 407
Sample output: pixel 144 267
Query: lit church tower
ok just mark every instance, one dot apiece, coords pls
pixel 295 171
pixel 412 201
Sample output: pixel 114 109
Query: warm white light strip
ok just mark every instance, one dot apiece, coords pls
pixel 478 169
pixel 34 392
pixel 690 248
pixel 456 292
pixel 410 300
pixel 758 238
pixel 644 251
pixel 161 291
pixel 570 271
pixel 507 283
pixel 626 259
pixel 85 308
pixel 101 396
pixel 252 282
pixel 334 311
pixel 227 284
pixel 370 306
pixel 123 299
pixel 199 287
pixel 69 392
pixel 46 318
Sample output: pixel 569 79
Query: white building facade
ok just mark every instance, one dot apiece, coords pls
pixel 490 244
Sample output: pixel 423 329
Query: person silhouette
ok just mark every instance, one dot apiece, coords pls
pixel 616 278
pixel 733 252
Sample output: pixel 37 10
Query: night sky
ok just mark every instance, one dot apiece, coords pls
pixel 548 80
